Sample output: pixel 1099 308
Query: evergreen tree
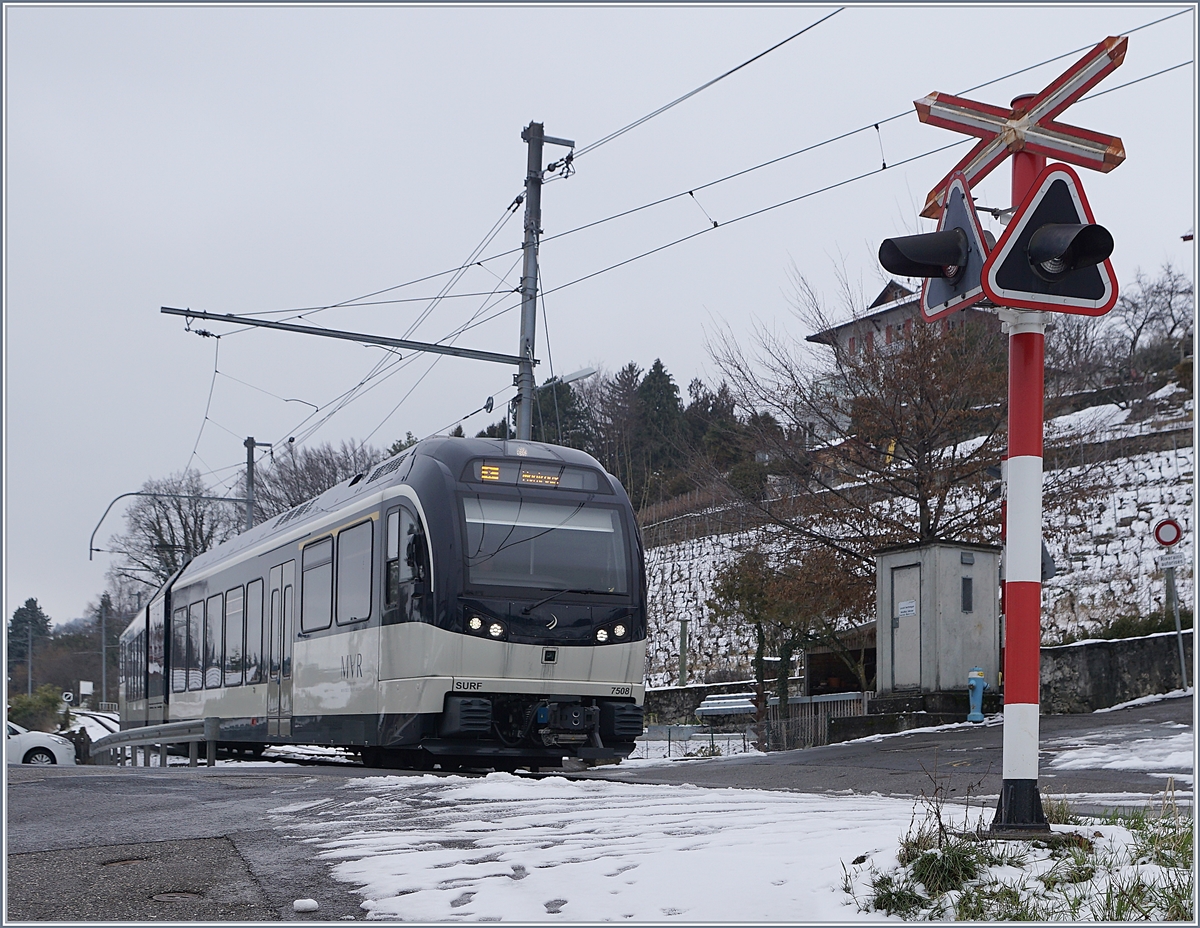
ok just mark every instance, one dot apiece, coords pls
pixel 25 619
pixel 559 418
pixel 401 444
pixel 660 417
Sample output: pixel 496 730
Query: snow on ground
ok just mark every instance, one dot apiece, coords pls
pixel 93 726
pixel 502 847
pixel 1107 557
pixel 1173 754
pixel 507 848
pixel 1146 700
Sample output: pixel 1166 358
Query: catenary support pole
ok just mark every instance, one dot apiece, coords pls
pixel 534 136
pixel 1020 805
pixel 250 445
pixel 103 649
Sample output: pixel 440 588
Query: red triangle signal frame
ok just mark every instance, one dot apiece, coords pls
pixel 1004 251
pixel 978 245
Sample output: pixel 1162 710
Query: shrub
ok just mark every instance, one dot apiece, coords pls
pixel 38 712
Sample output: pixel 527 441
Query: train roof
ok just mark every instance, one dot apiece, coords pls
pixel 455 453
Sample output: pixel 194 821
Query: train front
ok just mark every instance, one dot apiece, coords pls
pixel 539 576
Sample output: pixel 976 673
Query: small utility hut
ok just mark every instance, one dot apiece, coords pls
pixel 937 608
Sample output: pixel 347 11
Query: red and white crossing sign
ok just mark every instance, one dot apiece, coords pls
pixel 1028 126
pixel 1010 277
pixel 1167 532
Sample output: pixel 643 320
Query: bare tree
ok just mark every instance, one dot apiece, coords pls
pixel 293 477
pixel 1154 310
pixel 875 447
pixel 165 531
pixel 1078 355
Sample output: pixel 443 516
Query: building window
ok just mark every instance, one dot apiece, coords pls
pixel 968 594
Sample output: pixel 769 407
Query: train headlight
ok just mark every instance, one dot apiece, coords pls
pixel 475 623
pixel 602 635
pixel 495 629
pixel 619 630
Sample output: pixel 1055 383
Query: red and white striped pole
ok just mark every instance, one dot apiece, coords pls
pixel 1020 805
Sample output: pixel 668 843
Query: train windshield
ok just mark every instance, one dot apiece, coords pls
pixel 545 545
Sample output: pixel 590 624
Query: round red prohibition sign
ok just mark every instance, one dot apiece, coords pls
pixel 1167 532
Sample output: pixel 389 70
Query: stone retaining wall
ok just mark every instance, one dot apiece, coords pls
pixel 1079 677
pixel 1092 675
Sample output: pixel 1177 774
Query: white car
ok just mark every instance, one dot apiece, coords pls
pixel 23 746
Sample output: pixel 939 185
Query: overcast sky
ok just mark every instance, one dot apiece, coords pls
pixel 241 159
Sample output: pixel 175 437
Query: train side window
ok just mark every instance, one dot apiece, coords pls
pixel 399 570
pixel 254 631
pixel 155 652
pixel 195 640
pixel 316 586
pixel 179 650
pixel 214 637
pixel 354 550
pixel 141 665
pixel 234 637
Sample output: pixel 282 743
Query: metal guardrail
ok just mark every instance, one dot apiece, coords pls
pixel 191 733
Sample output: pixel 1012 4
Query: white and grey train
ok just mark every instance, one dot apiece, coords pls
pixel 468 602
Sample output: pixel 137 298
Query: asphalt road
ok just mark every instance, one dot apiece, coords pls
pixel 959 759
pixel 184 844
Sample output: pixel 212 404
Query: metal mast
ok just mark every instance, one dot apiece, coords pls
pixel 534 135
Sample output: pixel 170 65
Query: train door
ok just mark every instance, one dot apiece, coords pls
pixel 280 631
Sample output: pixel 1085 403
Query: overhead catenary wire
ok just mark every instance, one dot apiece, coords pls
pixel 729 222
pixel 691 93
pixel 474 322
pixel 207 405
pixel 480 262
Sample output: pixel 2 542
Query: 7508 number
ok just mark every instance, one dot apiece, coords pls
pixel 621 691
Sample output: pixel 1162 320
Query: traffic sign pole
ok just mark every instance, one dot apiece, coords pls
pixel 1168 533
pixel 1169 573
pixel 1020 805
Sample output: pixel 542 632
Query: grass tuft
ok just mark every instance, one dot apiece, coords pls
pixel 895 894
pixel 1144 873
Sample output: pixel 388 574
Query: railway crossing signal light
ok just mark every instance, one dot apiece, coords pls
pixel 1053 256
pixel 950 259
pixel 1059 248
pixel 934 254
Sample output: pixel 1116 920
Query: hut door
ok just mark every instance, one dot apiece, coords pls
pixel 906 627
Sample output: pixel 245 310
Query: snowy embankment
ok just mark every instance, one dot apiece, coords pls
pixel 435 849
pixel 1106 557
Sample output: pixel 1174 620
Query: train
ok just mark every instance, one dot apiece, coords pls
pixel 469 602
